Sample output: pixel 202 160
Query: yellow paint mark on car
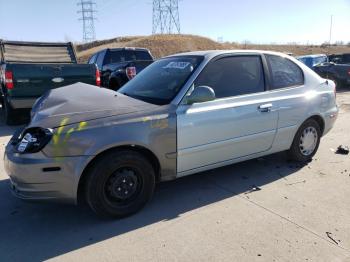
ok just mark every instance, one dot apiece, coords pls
pixel 58 142
pixel 82 126
pixel 160 123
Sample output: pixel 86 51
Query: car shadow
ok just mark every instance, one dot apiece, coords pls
pixel 36 232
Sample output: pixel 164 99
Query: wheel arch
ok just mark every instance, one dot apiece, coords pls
pixel 319 119
pixel 151 157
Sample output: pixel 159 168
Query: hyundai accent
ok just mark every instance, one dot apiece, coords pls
pixel 183 114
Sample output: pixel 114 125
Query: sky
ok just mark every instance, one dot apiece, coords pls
pixel 258 21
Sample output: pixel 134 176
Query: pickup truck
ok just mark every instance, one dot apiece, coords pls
pixel 118 65
pixel 313 60
pixel 337 69
pixel 28 70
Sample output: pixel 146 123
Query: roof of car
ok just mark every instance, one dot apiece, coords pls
pixel 340 54
pixel 311 56
pixel 128 48
pixel 213 53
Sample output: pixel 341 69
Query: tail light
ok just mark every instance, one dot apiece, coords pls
pixel 9 79
pixel 131 72
pixel 349 72
pixel 98 77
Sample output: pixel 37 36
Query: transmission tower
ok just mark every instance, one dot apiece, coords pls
pixel 87 11
pixel 166 17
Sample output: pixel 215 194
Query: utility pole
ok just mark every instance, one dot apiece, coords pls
pixel 87 11
pixel 330 31
pixel 166 17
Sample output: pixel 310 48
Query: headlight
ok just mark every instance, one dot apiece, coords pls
pixel 33 140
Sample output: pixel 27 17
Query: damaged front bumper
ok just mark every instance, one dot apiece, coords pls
pixel 38 177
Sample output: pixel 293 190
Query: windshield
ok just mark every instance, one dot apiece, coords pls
pixel 117 56
pixel 319 60
pixel 306 60
pixel 160 82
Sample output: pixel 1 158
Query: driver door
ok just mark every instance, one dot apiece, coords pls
pixel 241 121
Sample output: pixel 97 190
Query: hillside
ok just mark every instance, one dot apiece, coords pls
pixel 162 45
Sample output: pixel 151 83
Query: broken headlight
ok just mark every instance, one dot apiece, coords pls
pixel 33 140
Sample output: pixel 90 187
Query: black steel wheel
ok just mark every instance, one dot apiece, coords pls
pixel 123 186
pixel 119 184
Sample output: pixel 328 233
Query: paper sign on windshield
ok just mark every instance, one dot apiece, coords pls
pixel 177 65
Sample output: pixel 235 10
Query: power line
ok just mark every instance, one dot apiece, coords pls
pixel 87 11
pixel 166 17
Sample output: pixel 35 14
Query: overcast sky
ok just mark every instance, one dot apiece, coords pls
pixel 259 21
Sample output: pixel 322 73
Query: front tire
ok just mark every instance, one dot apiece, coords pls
pixel 120 184
pixel 306 141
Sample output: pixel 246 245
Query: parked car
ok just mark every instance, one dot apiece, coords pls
pixel 119 65
pixel 182 115
pixel 337 69
pixel 28 70
pixel 340 58
pixel 313 60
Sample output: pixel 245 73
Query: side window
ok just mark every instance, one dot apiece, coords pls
pixel 284 72
pixel 346 58
pixel 324 59
pixel 233 76
pixel 99 60
pixel 92 59
pixel 142 55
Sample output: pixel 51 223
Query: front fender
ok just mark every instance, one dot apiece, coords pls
pixel 156 133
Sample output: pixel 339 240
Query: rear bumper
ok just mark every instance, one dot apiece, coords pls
pixel 37 177
pixel 22 103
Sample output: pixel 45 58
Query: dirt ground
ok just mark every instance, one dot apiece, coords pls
pixel 295 213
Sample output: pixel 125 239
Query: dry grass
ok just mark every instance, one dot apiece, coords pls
pixel 162 45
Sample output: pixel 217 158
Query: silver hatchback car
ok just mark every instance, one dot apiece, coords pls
pixel 183 114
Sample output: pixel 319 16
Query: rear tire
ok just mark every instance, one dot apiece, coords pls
pixel 10 114
pixel 338 83
pixel 306 141
pixel 120 184
pixel 114 84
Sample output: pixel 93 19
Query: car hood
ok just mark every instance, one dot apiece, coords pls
pixel 82 102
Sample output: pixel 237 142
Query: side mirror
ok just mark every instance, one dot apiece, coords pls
pixel 201 94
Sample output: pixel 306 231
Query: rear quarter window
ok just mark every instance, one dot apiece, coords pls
pixel 284 72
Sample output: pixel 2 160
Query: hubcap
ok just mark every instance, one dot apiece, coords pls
pixel 308 141
pixel 122 185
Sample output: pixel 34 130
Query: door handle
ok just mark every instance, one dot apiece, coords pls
pixel 265 108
